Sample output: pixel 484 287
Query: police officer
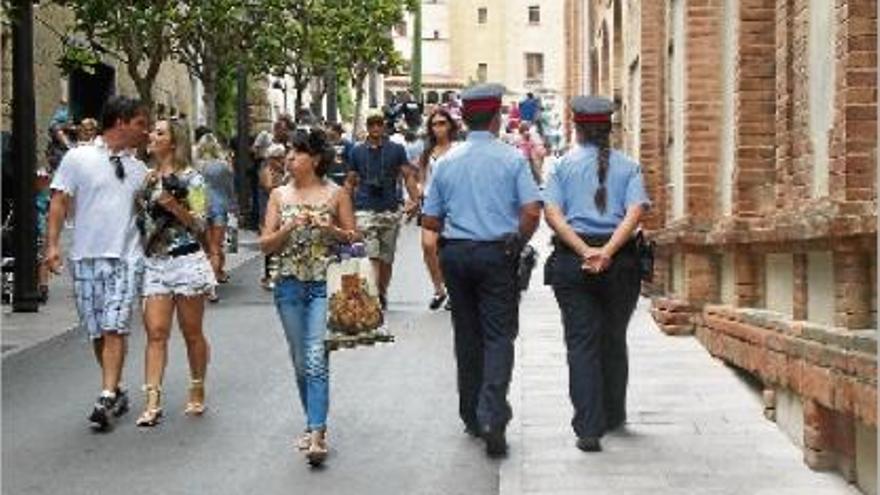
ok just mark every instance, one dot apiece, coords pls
pixel 486 205
pixel 593 201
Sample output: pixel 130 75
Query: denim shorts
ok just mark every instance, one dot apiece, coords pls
pixel 105 290
pixel 186 275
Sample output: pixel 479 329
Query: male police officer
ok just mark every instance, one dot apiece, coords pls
pixel 486 205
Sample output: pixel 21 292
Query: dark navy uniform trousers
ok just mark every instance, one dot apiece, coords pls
pixel 596 309
pixel 481 280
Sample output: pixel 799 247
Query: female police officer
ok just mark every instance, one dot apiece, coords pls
pixel 594 200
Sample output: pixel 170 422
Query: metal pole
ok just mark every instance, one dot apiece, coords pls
pixel 416 66
pixel 24 156
pixel 242 151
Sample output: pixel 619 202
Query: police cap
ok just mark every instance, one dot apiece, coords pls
pixel 591 109
pixel 482 98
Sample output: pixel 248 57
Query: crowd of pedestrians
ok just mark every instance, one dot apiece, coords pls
pixel 477 197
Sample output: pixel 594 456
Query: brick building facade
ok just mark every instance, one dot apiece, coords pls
pixel 756 125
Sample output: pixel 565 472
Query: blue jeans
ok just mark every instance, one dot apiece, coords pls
pixel 302 307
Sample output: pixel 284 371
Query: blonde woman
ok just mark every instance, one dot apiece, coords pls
pixel 215 168
pixel 177 276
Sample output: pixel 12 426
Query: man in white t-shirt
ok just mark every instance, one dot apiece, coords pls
pixel 101 182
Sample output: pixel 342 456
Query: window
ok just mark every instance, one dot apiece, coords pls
pixel 436 35
pixel 482 15
pixel 482 72
pixel 534 66
pixel 400 28
pixel 534 14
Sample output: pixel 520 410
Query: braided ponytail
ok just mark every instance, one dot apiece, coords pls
pixel 598 134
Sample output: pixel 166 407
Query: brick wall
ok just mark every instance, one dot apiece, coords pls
pixel 781 207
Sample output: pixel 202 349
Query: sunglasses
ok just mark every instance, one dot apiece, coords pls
pixel 120 170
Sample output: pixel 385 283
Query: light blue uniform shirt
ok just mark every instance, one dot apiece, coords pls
pixel 479 188
pixel 572 187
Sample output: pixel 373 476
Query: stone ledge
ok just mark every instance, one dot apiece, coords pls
pixel 811 221
pixel 674 316
pixel 835 367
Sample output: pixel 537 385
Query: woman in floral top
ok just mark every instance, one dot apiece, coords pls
pixel 177 273
pixel 305 219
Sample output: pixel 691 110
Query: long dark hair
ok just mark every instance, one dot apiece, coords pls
pixel 598 134
pixel 431 138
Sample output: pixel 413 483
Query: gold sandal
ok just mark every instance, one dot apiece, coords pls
pixel 153 408
pixel 196 407
pixel 303 441
pixel 318 450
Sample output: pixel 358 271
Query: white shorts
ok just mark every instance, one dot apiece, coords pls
pixel 185 275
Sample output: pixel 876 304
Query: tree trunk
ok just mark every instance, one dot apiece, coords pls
pixel 144 88
pixel 209 95
pixel 359 102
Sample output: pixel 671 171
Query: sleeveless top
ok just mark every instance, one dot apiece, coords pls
pixel 308 251
pixel 162 232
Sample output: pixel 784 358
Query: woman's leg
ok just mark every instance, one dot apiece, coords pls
pixel 290 304
pixel 215 248
pixel 190 315
pixel 158 316
pixel 430 253
pixel 316 369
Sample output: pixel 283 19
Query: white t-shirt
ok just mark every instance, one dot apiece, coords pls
pixel 105 206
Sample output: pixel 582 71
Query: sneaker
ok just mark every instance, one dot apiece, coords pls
pixel 120 407
pixel 101 412
pixel 437 301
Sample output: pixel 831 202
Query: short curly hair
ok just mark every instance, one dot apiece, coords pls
pixel 314 142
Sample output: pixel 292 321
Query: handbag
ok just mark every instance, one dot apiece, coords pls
pixel 645 250
pixel 354 312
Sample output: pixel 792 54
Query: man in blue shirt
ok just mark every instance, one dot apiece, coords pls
pixel 486 205
pixel 377 167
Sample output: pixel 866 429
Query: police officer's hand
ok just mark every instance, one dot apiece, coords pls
pixel 595 260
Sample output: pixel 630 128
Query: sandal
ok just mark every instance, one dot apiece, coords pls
pixel 317 453
pixel 196 407
pixel 153 410
pixel 303 441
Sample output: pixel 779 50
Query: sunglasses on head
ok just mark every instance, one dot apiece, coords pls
pixel 120 170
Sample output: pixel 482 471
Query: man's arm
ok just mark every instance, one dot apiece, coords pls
pixel 57 213
pixel 432 223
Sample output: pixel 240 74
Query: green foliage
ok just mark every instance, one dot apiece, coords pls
pixel 134 30
pixel 225 102
pixel 76 57
pixel 343 97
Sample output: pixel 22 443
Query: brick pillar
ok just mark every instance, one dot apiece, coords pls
pixel 701 278
pixel 801 287
pixel 860 108
pixel 829 439
pixel 703 93
pixel 852 289
pixel 653 90
pixel 749 279
pixel 755 176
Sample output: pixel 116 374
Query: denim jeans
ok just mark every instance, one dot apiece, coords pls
pixel 302 307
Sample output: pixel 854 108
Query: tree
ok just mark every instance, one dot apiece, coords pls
pixel 211 34
pixel 136 31
pixel 363 29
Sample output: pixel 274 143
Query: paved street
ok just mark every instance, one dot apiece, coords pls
pixel 695 427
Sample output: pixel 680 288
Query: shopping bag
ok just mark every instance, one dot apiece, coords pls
pixel 354 313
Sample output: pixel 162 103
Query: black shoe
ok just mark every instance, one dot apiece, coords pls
pixel 472 431
pixel 589 444
pixel 496 442
pixel 436 302
pixel 100 416
pixel 615 423
pixel 448 305
pixel 121 405
pixel 383 301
